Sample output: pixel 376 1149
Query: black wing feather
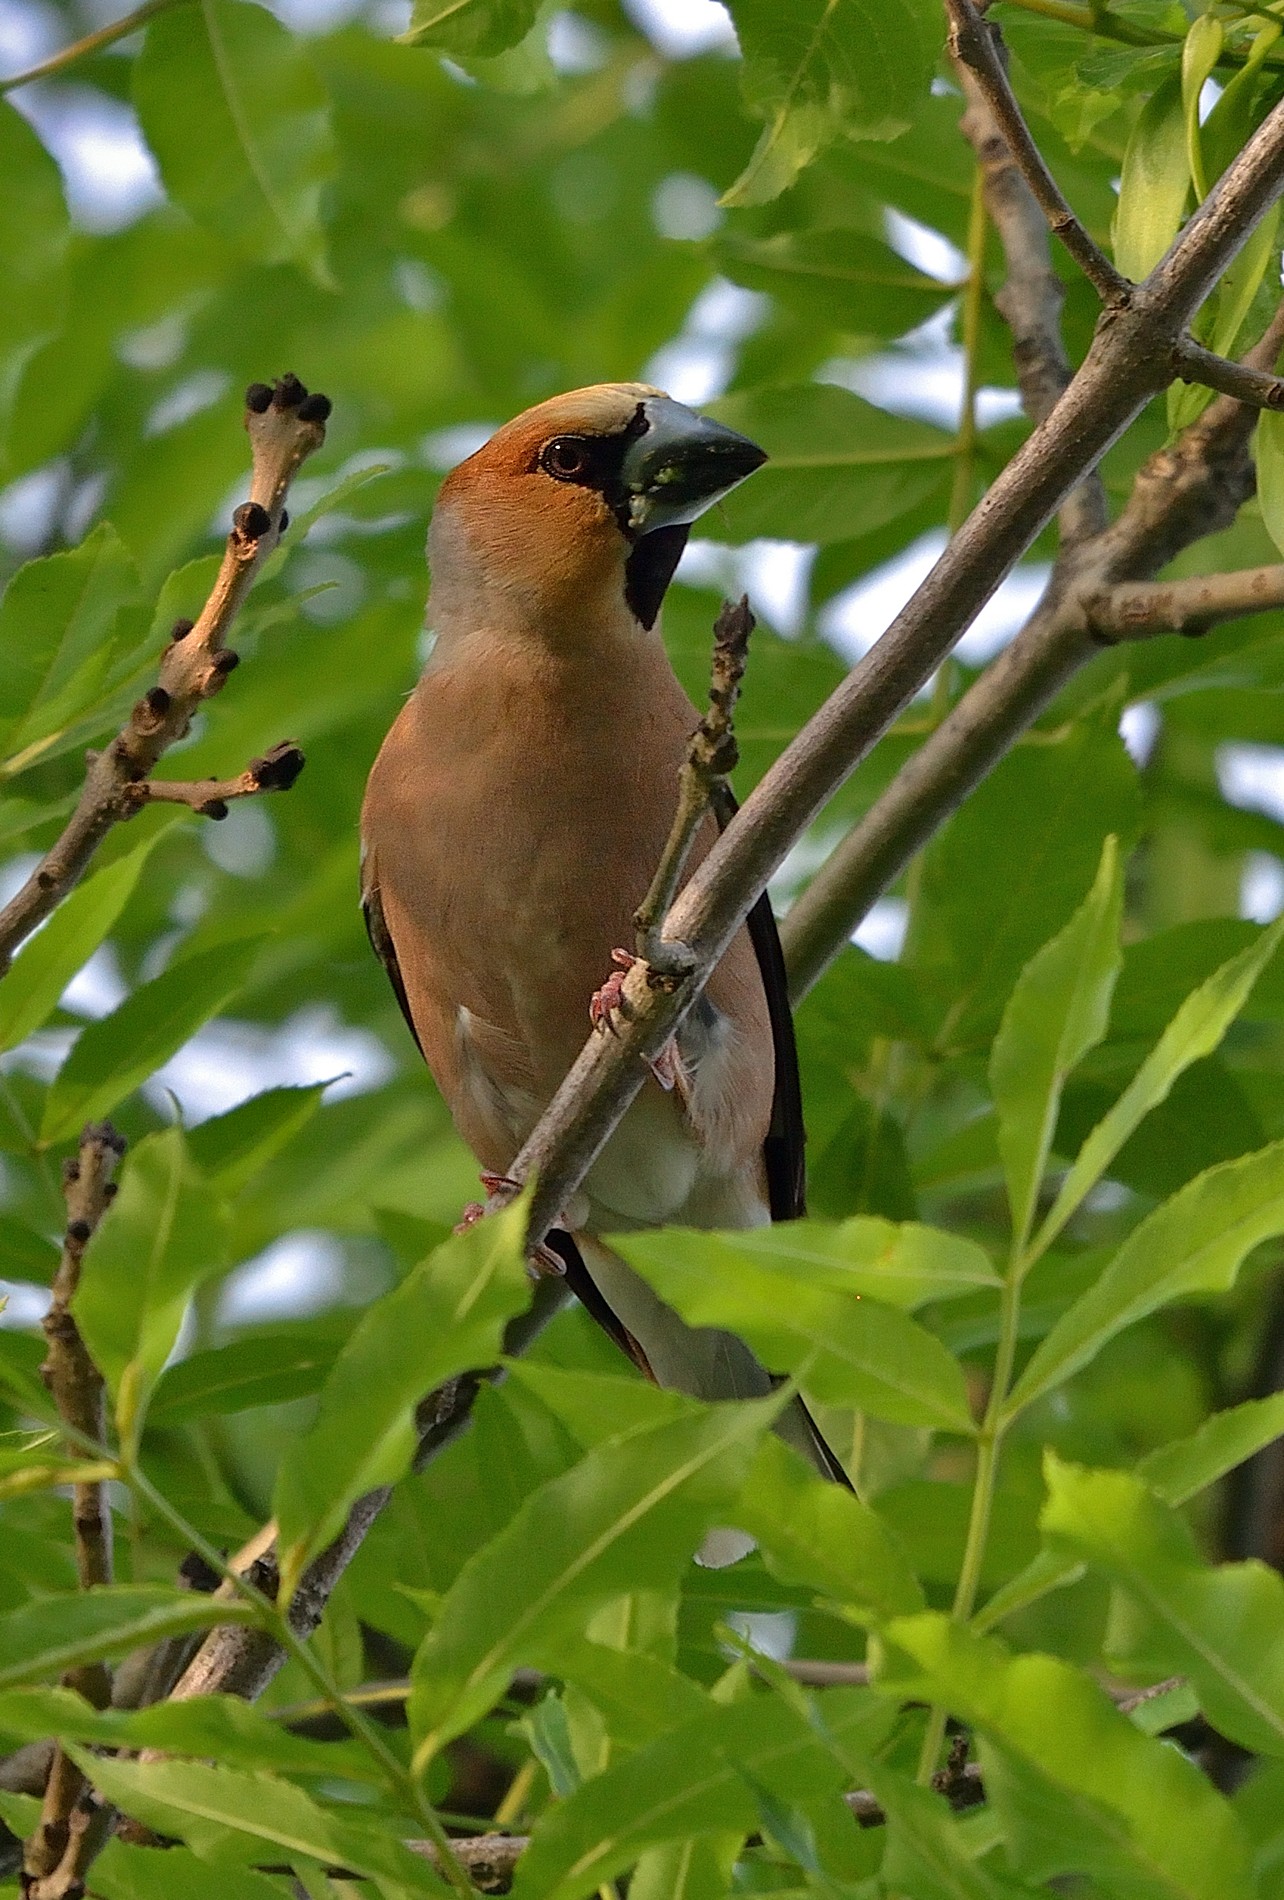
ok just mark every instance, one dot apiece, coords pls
pixel 784 1147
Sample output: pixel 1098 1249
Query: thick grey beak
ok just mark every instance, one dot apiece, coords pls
pixel 681 465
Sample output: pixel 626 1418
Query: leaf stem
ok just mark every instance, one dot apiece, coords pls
pixel 988 1442
pixel 92 43
pixel 973 300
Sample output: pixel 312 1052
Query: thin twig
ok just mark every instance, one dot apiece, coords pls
pixel 91 43
pixel 276 771
pixel 1195 364
pixel 285 426
pixel 711 755
pixel 1031 296
pixel 66 1838
pixel 975 43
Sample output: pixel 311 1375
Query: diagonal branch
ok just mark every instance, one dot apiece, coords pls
pixel 1189 490
pixel 1130 361
pixel 285 426
pixel 975 43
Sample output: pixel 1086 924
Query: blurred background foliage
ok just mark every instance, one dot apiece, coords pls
pixel 438 236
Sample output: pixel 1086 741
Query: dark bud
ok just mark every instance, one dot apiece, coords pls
pixel 157 701
pixel 75 1890
pixel 46 880
pixel 110 1192
pixel 258 398
pixel 1192 633
pixel 289 393
pixel 213 808
pixel 70 1171
pixel 284 522
pixel 251 520
pixel 277 770
pixel 195 1574
pixel 79 1230
pixel 315 409
pixel 225 662
pixel 181 628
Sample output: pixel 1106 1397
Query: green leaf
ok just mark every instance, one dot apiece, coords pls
pixel 164 1233
pixel 847 1350
pixel 1268 451
pixel 470 28
pixel 900 1263
pixel 239 121
pixel 1178 1471
pixel 446 1317
pixel 1167 1828
pixel 1155 183
pixel 1194 1032
pixel 57 630
pixel 1199 55
pixel 1223 1627
pixel 124 1872
pixel 815 1533
pixel 927 1853
pixel 34 235
pixel 626 1517
pixel 231 1149
pixel 695 1782
pixel 262 1369
pixel 45 965
pixel 822 69
pixel 1057 1012
pixel 220 1727
pixel 226 1814
pixel 839 467
pixel 113 1055
pixel 51 1634
pixel 1194 1243
pixel 839 277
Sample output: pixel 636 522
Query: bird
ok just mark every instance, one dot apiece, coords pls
pixel 513 820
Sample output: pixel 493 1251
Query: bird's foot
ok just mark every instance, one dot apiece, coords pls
pixel 608 1002
pixel 668 1067
pixel 543 1262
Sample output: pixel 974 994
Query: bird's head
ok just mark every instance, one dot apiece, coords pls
pixel 580 507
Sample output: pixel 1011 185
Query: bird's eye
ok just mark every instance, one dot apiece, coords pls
pixel 564 457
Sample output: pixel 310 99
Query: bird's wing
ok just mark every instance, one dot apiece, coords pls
pixel 783 1149
pixel 381 943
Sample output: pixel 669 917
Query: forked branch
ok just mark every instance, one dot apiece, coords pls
pixel 285 426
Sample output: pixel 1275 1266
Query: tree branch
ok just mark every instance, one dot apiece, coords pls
pixel 975 43
pixel 66 1837
pixel 276 771
pixel 1195 364
pixel 1031 296
pixel 1186 491
pixel 1129 361
pixel 285 425
pixel 1146 609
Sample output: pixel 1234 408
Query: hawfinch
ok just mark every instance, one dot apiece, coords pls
pixel 513 821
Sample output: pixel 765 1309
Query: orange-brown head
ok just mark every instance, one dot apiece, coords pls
pixel 578 510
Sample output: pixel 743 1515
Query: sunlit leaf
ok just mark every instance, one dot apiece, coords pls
pixel 1223 1626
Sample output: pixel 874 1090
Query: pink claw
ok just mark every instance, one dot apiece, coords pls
pixel 604 1003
